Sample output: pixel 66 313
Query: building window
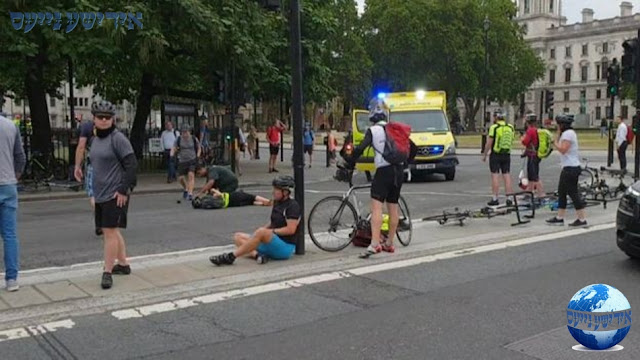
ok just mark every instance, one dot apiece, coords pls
pixel 52 101
pixel 585 50
pixel 567 51
pixel 566 96
pixel 18 102
pixel 598 113
pixel 552 53
pixel 598 94
pixel 86 102
pixel 529 96
pixel 585 74
pixel 624 111
pixel 567 75
pixel 552 76
pixel 605 48
pixel 527 6
pixel 565 110
pixel 75 101
pixel 597 72
pixel 583 94
pixel 551 6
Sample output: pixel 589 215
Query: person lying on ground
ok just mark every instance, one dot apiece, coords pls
pixel 220 200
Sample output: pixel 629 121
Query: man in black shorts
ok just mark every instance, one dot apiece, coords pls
pixel 387 181
pixel 188 150
pixel 499 144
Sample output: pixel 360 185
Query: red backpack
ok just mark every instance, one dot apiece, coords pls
pixel 397 146
pixel 630 135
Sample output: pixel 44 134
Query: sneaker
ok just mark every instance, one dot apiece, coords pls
pixel 190 197
pixel 261 259
pixel 578 223
pixel 185 194
pixel 223 259
pixel 275 170
pixel 12 285
pixel 555 221
pixel 121 269
pixel 98 232
pixel 371 250
pixel 493 203
pixel 107 281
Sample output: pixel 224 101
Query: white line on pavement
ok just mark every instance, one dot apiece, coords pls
pixel 25 332
pixel 147 310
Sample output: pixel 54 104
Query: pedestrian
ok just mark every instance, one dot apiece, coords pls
pixel 566 143
pixel 531 142
pixel 218 177
pixel 499 144
pixel 12 162
pixel 332 143
pixel 240 144
pixel 603 128
pixel 205 137
pixel 274 241
pixel 622 142
pixel 187 149
pixel 82 151
pixel 274 134
pixel 308 139
pixel 169 136
pixel 114 164
pixel 251 142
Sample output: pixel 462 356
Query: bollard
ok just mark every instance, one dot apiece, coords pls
pixel 257 151
pixel 326 151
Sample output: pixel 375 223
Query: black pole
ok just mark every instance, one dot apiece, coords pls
pixel 610 148
pixel 636 173
pixel 281 132
pixel 296 119
pixel 542 100
pixel 73 143
pixel 256 152
pixel 326 151
pixel 232 141
pixel 486 85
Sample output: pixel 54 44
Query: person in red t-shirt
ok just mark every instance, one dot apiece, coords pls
pixel 273 137
pixel 530 142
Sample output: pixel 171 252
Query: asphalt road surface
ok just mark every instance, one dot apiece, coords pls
pixel 60 232
pixel 506 304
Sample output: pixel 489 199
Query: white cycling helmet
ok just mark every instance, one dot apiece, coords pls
pixel 378 110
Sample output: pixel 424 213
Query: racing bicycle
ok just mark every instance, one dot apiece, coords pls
pixel 334 221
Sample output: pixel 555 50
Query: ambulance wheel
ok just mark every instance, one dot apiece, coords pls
pixel 450 175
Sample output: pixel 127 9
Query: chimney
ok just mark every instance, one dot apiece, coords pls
pixel 587 15
pixel 626 9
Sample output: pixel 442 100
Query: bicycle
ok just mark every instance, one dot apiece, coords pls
pixel 42 169
pixel 345 218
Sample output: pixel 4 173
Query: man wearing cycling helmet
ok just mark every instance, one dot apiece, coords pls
pixel 387 180
pixel 566 143
pixel 499 144
pixel 275 240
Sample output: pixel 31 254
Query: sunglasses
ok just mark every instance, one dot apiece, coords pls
pixel 103 117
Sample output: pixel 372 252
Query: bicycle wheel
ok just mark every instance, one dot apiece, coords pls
pixel 585 179
pixel 332 223
pixel 405 226
pixel 60 169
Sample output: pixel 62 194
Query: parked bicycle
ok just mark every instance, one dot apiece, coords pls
pixel 593 183
pixel 334 220
pixel 43 168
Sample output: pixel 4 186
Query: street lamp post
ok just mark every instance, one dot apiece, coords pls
pixel 487 23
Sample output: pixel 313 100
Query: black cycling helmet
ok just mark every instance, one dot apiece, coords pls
pixel 103 107
pixel 564 120
pixel 284 183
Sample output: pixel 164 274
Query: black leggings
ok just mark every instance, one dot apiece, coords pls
pixel 569 186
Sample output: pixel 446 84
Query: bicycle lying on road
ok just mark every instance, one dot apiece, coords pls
pixel 593 184
pixel 335 220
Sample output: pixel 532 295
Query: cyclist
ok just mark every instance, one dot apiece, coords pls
pixel 387 181
pixel 531 142
pixel 276 240
pixel 566 143
pixel 499 143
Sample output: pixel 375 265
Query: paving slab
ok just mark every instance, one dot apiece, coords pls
pixel 171 275
pixel 61 290
pixel 121 284
pixel 26 296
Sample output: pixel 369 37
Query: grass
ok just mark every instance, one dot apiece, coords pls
pixel 588 140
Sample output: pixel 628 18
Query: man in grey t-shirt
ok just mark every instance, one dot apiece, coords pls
pixel 188 150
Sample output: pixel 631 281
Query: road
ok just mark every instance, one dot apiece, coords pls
pixel 503 304
pixel 60 232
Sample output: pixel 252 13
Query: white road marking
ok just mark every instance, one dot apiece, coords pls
pixel 25 332
pixel 147 310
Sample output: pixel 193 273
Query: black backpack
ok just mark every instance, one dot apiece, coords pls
pixel 207 202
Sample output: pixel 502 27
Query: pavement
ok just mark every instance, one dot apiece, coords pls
pixel 487 290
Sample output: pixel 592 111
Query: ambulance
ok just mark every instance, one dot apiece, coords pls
pixel 426 113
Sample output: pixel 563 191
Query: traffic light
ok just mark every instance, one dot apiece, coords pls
pixel 636 124
pixel 630 60
pixel 613 80
pixel 548 100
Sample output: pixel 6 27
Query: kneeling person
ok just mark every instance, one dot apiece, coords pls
pixel 275 240
pixel 218 177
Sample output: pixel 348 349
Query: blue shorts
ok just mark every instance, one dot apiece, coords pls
pixel 88 180
pixel 277 249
